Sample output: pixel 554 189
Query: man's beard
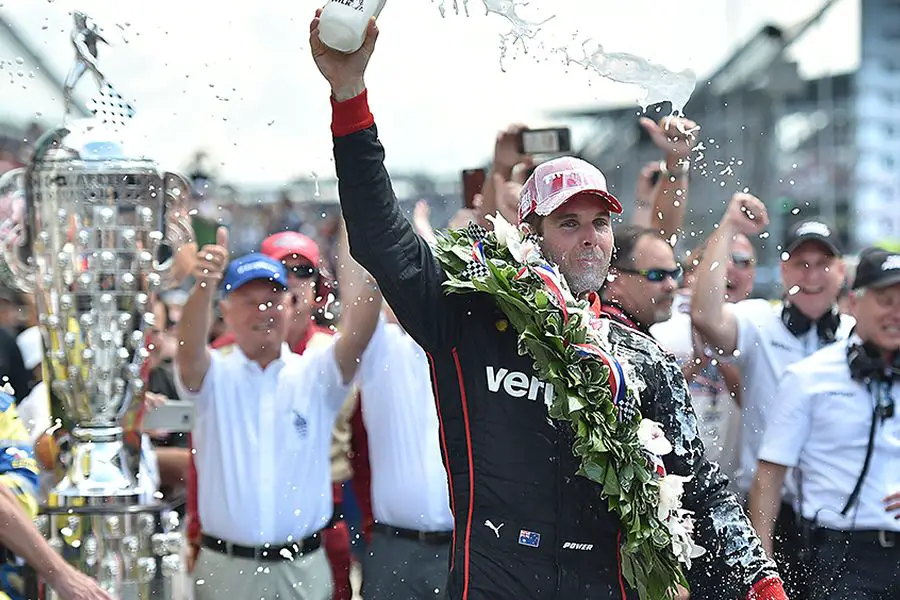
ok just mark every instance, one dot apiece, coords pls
pixel 582 277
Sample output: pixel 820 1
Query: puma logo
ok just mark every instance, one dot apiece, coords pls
pixel 494 528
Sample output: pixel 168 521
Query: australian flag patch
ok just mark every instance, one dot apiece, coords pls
pixel 529 538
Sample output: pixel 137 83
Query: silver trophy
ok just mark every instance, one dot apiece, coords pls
pixel 95 215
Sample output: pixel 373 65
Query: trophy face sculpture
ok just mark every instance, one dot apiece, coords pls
pixel 93 213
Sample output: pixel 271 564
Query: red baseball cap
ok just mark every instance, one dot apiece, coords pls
pixel 281 245
pixel 557 181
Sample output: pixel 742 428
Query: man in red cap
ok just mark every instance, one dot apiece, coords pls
pixel 301 257
pixel 527 526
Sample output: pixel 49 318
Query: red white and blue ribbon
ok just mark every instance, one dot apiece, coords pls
pixel 616 374
pixel 551 281
pixel 478 253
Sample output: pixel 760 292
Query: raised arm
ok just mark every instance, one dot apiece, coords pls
pixel 710 314
pixel 192 357
pixel 362 305
pixel 676 137
pixel 381 238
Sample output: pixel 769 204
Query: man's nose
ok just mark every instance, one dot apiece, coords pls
pixel 591 238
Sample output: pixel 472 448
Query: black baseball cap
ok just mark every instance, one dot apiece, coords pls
pixel 812 230
pixel 877 268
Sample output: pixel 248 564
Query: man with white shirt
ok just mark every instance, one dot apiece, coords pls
pixel 837 423
pixel 409 553
pixel 765 339
pixel 263 431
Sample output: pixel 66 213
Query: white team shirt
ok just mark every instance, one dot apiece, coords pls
pixel 262 440
pixel 821 426
pixel 409 481
pixel 765 350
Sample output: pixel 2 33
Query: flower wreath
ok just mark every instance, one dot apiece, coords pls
pixel 618 448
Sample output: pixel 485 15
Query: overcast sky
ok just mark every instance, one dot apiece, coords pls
pixel 236 78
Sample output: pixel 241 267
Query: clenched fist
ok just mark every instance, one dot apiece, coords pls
pixel 747 214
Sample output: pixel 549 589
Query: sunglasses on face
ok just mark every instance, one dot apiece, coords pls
pixel 742 261
pixel 655 275
pixel 302 271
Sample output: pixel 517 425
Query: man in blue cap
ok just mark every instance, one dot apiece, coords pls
pixel 264 420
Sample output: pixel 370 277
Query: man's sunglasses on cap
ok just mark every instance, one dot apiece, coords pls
pixel 654 275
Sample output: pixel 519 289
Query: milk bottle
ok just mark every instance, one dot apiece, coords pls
pixel 343 23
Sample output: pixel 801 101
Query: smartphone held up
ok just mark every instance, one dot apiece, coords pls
pixel 545 141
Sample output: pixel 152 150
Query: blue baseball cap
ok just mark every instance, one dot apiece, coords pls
pixel 253 267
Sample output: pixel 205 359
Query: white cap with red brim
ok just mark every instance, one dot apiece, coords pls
pixel 557 181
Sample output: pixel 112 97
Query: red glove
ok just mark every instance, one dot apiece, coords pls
pixel 769 588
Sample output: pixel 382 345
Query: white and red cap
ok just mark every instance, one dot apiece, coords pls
pixel 557 181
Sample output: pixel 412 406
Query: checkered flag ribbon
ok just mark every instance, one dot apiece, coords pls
pixel 628 410
pixel 476 231
pixel 476 270
pixel 110 107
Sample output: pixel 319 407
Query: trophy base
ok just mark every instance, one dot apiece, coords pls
pixel 134 552
pixel 102 469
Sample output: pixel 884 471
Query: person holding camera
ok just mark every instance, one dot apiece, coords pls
pixel 837 424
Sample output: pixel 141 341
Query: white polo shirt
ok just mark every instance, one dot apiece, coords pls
pixel 409 482
pixel 821 425
pixel 262 440
pixel 765 349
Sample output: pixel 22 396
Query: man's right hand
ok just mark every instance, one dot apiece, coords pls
pixel 212 260
pixel 747 214
pixel 345 72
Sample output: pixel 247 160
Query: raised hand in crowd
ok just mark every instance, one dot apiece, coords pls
pixel 422 221
pixel 676 137
pixel 746 214
pixel 212 260
pixel 648 182
pixel 192 356
pixel 508 166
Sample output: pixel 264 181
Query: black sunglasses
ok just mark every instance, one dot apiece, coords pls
pixel 302 271
pixel 655 275
pixel 742 261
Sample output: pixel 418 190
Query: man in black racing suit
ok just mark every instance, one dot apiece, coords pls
pixel 526 527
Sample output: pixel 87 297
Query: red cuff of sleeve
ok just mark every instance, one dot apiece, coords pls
pixel 351 115
pixel 769 588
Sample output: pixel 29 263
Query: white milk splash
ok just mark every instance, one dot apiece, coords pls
pixel 657 83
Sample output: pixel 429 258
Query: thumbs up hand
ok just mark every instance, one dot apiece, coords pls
pixel 212 260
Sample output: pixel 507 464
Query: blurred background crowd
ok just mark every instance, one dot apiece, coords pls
pixel 814 151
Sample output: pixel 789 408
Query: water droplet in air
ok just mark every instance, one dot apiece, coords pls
pixel 794 290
